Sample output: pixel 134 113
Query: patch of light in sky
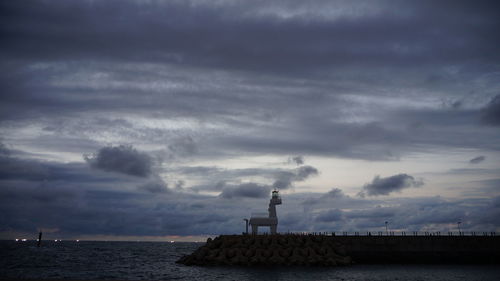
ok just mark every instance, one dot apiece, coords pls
pixel 328 11
pixel 172 123
pixel 351 175
pixel 391 102
pixel 92 80
pixel 246 162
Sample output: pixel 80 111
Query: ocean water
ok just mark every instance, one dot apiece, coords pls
pixel 156 261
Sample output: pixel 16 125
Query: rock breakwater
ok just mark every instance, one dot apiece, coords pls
pixel 252 250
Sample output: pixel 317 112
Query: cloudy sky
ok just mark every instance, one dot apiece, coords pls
pixel 175 119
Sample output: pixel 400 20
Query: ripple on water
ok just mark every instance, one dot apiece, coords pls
pixel 148 260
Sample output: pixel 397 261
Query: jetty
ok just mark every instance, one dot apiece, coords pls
pixel 251 250
pixel 333 250
pixel 330 249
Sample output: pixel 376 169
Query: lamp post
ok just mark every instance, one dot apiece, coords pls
pixel 459 231
pixel 386 229
pixel 246 226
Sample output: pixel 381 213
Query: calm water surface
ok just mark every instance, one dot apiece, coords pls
pixel 156 261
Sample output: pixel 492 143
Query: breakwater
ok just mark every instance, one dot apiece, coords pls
pixel 422 249
pixel 328 250
pixel 269 250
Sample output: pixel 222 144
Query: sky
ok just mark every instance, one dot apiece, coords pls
pixel 174 120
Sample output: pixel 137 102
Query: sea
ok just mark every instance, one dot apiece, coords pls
pixel 87 260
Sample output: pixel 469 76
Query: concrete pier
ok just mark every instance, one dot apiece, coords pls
pixel 422 249
pixel 330 250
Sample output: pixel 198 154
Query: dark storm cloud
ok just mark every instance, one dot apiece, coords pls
pixel 122 159
pixel 399 131
pixel 299 160
pixel 4 151
pixel 210 34
pixel 286 178
pixel 319 136
pixel 330 215
pixel 179 184
pixel 282 184
pixel 484 188
pixel 477 160
pixel 384 186
pixel 183 147
pixel 422 212
pixel 108 204
pixel 407 214
pixel 304 172
pixel 114 206
pixel 157 186
pixel 334 193
pixel 293 221
pixel 336 197
pixel 281 178
pixel 63 60
pixel 491 113
pixel 104 212
pixel 14 168
pixel 249 190
pixel 65 196
pixel 76 200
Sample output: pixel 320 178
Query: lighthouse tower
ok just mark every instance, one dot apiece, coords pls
pixel 271 219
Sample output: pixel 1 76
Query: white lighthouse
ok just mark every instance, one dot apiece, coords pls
pixel 271 219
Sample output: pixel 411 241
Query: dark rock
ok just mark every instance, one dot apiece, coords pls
pixel 258 250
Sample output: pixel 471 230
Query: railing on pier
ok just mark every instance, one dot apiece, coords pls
pixel 392 233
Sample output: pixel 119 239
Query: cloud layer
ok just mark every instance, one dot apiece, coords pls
pixel 74 200
pixel 191 112
pixel 384 186
pixel 179 63
pixel 121 159
pixel 477 160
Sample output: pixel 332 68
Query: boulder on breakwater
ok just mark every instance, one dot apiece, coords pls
pixel 251 250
